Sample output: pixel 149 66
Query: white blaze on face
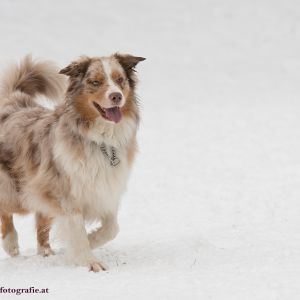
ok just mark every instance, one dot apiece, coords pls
pixel 109 65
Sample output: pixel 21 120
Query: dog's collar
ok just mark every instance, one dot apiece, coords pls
pixel 113 159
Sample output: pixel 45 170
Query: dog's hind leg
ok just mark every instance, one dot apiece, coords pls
pixel 43 226
pixel 9 235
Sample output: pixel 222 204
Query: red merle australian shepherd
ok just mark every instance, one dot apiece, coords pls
pixel 69 164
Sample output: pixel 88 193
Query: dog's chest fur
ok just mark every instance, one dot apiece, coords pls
pixel 96 186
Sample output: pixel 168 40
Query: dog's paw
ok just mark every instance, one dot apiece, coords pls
pixel 45 251
pixel 87 259
pixel 12 251
pixel 96 267
pixel 10 244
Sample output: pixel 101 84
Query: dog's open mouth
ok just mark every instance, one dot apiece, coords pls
pixel 112 114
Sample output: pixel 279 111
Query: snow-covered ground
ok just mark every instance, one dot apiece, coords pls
pixel 213 205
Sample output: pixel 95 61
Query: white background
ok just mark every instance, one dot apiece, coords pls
pixel 213 204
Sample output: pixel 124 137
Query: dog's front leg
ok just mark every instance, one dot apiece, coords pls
pixel 78 243
pixel 105 233
pixel 43 226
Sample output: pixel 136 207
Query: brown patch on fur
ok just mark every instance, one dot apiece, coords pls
pixel 51 199
pixel 48 195
pixel 7 157
pixel 20 211
pixel 43 226
pixel 7 224
pixel 33 154
pixel 4 117
pixel 7 161
pixel 83 105
pixel 116 76
pixel 17 175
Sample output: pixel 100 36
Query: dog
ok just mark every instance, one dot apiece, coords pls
pixel 69 164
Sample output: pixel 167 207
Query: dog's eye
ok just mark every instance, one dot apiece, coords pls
pixel 120 80
pixel 96 83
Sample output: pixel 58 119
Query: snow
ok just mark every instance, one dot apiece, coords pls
pixel 213 204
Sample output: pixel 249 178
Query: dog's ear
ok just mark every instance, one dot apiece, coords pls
pixel 127 61
pixel 77 68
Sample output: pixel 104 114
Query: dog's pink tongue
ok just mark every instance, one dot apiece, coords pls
pixel 113 114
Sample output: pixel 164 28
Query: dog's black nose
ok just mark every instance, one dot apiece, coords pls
pixel 116 98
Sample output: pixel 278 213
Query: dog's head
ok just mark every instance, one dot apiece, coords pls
pixel 103 87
